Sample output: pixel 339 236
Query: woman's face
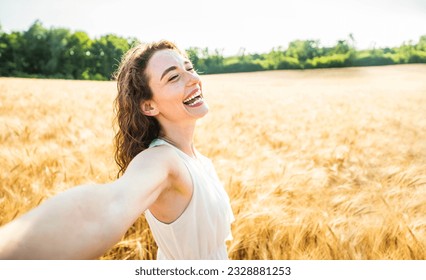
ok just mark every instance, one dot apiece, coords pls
pixel 176 87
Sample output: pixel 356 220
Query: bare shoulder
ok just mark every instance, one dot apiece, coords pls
pixel 159 158
pixel 150 173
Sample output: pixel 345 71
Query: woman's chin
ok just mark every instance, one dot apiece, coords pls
pixel 198 111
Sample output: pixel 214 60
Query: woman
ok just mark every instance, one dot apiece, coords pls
pixel 161 174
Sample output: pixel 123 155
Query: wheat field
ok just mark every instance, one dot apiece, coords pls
pixel 319 164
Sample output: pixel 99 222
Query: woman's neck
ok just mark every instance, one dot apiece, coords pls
pixel 180 137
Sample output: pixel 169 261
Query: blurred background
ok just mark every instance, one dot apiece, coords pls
pixel 64 39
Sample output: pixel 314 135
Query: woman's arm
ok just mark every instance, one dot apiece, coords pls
pixel 85 221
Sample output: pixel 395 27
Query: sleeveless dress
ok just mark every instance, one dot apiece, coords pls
pixel 201 230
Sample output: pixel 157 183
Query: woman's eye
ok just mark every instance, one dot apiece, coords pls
pixel 173 77
pixel 190 69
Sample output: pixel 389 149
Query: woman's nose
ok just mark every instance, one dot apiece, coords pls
pixel 193 78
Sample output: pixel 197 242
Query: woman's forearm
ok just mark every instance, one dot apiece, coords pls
pixel 85 221
pixel 81 223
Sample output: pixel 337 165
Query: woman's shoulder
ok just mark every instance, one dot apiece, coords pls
pixel 160 157
pixel 158 153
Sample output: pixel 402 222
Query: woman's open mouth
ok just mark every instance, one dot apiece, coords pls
pixel 194 100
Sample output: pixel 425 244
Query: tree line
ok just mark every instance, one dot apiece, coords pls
pixel 60 53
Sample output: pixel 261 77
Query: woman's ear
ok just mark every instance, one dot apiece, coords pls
pixel 149 108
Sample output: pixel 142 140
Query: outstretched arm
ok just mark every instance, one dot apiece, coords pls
pixel 85 221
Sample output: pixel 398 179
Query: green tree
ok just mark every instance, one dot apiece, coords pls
pixel 206 62
pixel 214 61
pixel 342 47
pixel 35 54
pixel 105 55
pixel 194 55
pixel 57 47
pixel 421 45
pixel 77 52
pixel 303 50
pixel 7 63
pixel 12 58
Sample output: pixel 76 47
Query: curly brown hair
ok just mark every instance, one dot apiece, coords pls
pixel 135 130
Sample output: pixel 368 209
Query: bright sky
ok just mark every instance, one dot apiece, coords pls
pixel 229 25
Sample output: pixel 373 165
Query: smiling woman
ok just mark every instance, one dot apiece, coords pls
pixel 161 175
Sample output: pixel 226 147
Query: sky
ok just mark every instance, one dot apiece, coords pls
pixel 230 26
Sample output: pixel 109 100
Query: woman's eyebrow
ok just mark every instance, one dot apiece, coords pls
pixel 171 68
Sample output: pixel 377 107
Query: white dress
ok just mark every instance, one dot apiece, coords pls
pixel 201 230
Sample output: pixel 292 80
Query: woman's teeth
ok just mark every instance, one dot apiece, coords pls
pixel 192 100
pixel 197 100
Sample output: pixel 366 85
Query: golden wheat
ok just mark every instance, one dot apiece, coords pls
pixel 319 164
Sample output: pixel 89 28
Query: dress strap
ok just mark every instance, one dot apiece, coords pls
pixel 162 141
pixel 159 142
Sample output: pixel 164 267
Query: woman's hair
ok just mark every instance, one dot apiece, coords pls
pixel 135 130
